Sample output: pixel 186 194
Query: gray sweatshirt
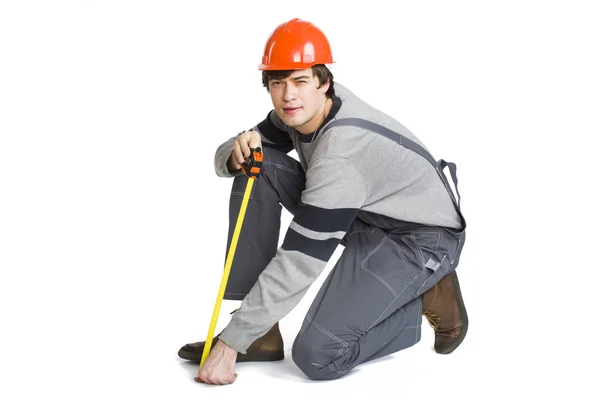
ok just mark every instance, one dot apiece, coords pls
pixel 351 173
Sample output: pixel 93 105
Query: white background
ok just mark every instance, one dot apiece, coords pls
pixel 113 223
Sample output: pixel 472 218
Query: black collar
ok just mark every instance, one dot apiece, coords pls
pixel 335 107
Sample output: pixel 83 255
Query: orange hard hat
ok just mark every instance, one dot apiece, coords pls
pixel 296 44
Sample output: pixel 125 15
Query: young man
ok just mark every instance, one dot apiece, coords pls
pixel 363 180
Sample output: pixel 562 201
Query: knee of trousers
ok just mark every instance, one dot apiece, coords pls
pixel 319 360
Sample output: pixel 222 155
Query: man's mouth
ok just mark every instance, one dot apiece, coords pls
pixel 291 110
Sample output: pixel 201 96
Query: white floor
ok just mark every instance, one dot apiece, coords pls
pixel 123 342
pixel 112 221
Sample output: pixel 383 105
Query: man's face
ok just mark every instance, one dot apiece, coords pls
pixel 298 100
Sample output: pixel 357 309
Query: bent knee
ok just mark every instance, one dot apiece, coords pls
pixel 319 361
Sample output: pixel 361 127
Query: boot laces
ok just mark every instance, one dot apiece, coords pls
pixel 435 321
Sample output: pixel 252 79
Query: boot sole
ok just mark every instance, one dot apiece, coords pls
pixel 275 356
pixel 463 315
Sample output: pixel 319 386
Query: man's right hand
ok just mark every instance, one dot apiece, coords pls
pixel 241 149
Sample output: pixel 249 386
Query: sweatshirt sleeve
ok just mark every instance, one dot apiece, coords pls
pixel 335 191
pixel 272 134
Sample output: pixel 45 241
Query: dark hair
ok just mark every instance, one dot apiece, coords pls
pixel 320 71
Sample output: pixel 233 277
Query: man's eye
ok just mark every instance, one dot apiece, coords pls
pixel 301 81
pixel 275 83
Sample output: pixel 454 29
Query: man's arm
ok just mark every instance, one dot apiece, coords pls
pixel 335 191
pixel 272 134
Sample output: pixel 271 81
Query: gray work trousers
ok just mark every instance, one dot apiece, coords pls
pixel 370 305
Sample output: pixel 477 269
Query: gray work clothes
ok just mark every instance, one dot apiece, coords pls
pixel 370 305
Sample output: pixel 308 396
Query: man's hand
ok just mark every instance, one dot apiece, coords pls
pixel 241 149
pixel 218 368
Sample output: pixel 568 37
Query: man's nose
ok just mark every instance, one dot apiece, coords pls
pixel 289 92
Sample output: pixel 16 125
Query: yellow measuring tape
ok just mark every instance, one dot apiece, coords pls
pixel 228 262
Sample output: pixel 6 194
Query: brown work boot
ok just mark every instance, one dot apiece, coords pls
pixel 266 348
pixel 445 311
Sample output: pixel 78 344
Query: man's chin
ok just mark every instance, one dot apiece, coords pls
pixel 292 122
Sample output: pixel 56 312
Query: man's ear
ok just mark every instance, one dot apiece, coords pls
pixel 325 87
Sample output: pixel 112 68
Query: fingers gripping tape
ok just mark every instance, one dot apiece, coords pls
pixel 253 164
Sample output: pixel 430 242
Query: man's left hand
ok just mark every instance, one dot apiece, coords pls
pixel 218 368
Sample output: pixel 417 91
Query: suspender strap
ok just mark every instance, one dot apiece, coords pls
pixel 409 144
pixel 452 167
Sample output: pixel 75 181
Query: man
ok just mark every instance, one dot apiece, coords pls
pixel 362 180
